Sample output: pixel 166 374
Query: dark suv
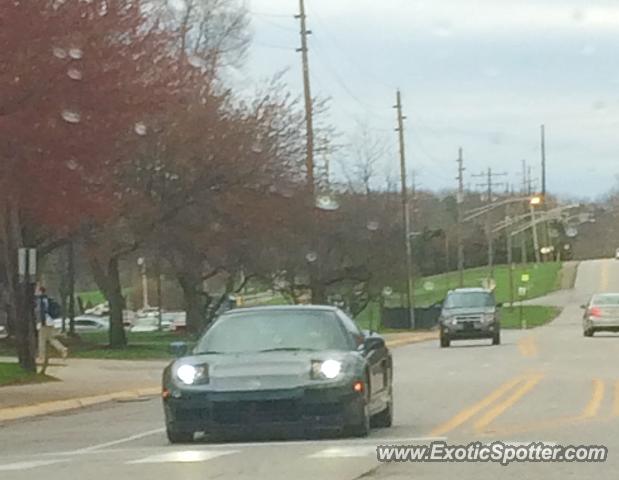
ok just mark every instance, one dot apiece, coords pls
pixel 470 313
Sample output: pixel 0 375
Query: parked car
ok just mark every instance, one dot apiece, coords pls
pixel 86 324
pixel 601 314
pixel 469 313
pixel 150 324
pixel 299 368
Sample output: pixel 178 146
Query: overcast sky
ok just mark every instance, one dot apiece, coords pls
pixel 481 74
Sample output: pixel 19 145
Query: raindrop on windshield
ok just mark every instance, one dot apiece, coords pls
pixel 74 74
pixel 196 61
pixel 72 164
pixel 325 202
pixel 372 225
pixel 311 257
pixel 71 116
pixel 140 128
pixel 76 53
pixel 59 52
pixel 178 5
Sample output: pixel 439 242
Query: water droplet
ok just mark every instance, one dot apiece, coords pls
pixel 76 53
pixel 311 257
pixel 372 225
pixel 140 128
pixel 196 61
pixel 72 164
pixel 71 116
pixel 325 202
pixel 178 5
pixel 59 52
pixel 74 74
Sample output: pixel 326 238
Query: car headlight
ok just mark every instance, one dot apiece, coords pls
pixel 487 318
pixel 192 374
pixel 328 369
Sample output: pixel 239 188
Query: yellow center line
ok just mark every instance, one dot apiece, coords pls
pixel 604 279
pixel 509 402
pixel 527 346
pixel 469 412
pixel 592 408
pixel 616 401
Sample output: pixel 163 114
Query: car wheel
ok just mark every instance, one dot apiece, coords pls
pixel 384 419
pixel 176 436
pixel 496 339
pixel 445 342
pixel 588 332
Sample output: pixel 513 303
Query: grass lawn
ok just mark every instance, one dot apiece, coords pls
pixel 535 316
pixel 12 374
pixel 142 346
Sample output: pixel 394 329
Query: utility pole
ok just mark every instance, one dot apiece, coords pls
pixel 309 121
pixel 489 185
pixel 523 238
pixel 459 203
pixel 410 294
pixel 543 139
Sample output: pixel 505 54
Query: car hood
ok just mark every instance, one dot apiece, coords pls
pixel 452 312
pixel 264 371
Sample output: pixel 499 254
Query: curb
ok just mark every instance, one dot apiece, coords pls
pixel 58 406
pixel 17 413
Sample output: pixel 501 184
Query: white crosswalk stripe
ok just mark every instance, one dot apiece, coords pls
pixel 184 456
pixel 28 465
pixel 345 452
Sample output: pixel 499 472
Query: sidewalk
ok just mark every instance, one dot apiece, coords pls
pixel 82 383
pixel 86 382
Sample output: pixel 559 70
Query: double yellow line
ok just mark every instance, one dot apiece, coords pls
pixel 494 404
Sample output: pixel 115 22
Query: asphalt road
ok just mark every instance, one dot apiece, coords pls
pixel 550 384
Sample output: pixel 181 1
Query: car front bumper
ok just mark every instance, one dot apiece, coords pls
pixel 469 330
pixel 294 410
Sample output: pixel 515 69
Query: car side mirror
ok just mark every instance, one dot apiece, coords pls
pixel 373 343
pixel 584 307
pixel 178 349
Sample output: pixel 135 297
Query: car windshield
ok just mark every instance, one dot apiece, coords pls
pixel 606 300
pixel 469 300
pixel 275 330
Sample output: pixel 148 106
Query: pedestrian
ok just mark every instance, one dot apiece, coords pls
pixel 47 332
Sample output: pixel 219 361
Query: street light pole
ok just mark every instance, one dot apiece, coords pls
pixel 142 264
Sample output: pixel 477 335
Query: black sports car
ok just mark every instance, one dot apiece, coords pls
pixel 290 368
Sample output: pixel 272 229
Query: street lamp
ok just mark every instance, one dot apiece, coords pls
pixel 142 265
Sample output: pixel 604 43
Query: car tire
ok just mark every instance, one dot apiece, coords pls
pixel 496 339
pixel 588 332
pixel 384 419
pixel 445 342
pixel 176 436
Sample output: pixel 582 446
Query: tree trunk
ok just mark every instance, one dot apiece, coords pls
pixel 118 338
pixel 193 300
pixel 108 280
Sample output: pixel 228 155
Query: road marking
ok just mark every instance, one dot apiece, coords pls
pixel 616 400
pixel 28 465
pixel 183 456
pixel 469 412
pixel 528 346
pixel 507 403
pixel 120 441
pixel 592 408
pixel 345 452
pixel 604 278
